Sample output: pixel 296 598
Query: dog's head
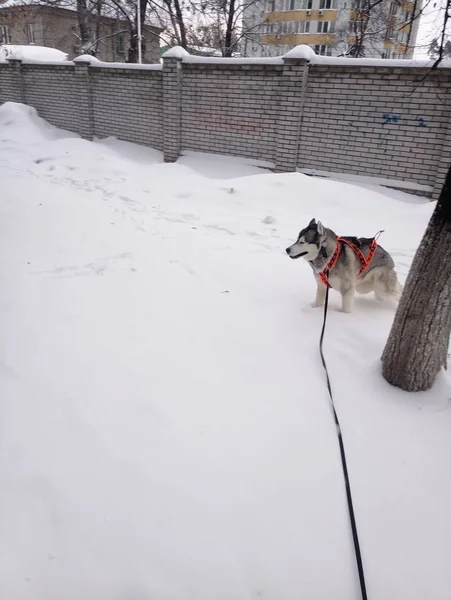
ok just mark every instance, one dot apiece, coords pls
pixel 309 242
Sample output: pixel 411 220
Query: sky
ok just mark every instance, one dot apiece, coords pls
pixel 430 25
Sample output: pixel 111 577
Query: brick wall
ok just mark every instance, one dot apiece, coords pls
pixel 385 122
pixel 54 92
pixel 128 104
pixel 10 84
pixel 374 121
pixel 231 109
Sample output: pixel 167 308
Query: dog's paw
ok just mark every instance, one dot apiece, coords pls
pixel 316 305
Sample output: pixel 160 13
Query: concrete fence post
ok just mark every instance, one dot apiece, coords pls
pixel 18 82
pixel 292 92
pixel 172 103
pixel 85 106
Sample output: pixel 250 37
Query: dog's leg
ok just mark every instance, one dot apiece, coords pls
pixel 320 294
pixel 387 286
pixel 347 299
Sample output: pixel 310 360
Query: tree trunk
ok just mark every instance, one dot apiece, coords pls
pixel 229 29
pixel 181 24
pixel 417 346
pixel 84 23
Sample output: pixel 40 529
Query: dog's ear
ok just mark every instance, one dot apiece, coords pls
pixel 312 223
pixel 320 228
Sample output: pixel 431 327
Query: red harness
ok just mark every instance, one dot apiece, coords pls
pixel 364 262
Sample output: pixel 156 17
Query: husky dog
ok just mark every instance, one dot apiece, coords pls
pixel 318 244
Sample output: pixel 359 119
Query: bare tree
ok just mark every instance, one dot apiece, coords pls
pixel 372 23
pixel 220 25
pixel 434 49
pixel 177 15
pixel 85 23
pixel 363 33
pixel 417 346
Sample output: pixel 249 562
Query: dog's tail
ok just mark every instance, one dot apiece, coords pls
pixel 399 290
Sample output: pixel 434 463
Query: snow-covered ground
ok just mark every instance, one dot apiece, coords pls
pixel 165 429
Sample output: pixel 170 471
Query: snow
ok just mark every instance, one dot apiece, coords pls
pixel 95 62
pixel 306 53
pixel 165 426
pixel 230 61
pixel 136 66
pixel 223 167
pixel 365 179
pixel 86 58
pixel 302 51
pixel 31 54
pixel 176 52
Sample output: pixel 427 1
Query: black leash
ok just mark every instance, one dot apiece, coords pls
pixel 355 537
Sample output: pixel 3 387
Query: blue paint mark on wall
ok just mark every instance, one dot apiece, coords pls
pixel 391 118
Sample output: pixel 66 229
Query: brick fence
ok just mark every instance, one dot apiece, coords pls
pixel 332 117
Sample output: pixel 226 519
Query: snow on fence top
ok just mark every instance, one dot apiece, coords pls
pixel 301 52
pixel 95 62
pixel 83 59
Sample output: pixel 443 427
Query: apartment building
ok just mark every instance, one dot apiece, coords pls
pixel 357 28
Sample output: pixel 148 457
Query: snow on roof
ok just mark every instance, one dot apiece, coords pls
pixel 31 54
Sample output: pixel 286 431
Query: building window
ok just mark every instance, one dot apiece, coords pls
pixel 402 37
pixel 4 35
pixel 390 33
pixel 271 6
pixel 120 43
pixel 327 4
pixel 302 4
pixel 302 26
pixel 393 8
pixel 326 27
pixel 323 50
pixel 284 5
pixel 287 27
pixel 30 33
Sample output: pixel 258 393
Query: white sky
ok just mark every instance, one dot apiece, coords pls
pixel 430 25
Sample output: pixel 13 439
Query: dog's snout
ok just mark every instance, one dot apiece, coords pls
pixel 287 250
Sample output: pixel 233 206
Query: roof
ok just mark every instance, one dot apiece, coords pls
pixel 109 11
